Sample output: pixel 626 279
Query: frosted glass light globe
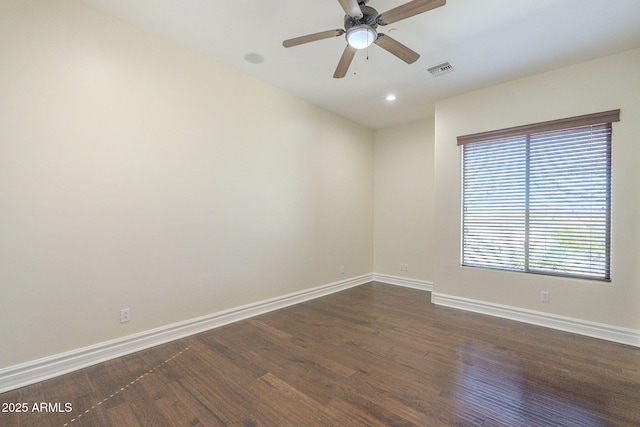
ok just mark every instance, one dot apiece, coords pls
pixel 361 37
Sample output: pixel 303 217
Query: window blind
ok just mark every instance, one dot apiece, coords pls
pixel 539 202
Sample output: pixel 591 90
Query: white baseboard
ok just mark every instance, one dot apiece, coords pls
pixel 567 324
pixel 403 281
pixel 28 373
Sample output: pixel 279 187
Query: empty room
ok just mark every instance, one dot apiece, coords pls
pixel 319 213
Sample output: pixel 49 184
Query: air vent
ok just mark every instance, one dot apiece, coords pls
pixel 441 69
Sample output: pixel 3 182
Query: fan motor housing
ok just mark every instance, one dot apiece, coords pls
pixel 369 17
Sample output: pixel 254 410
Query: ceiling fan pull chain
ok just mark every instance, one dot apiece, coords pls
pixel 368 45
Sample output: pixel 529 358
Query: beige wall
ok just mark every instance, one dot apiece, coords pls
pixel 601 85
pixel 136 174
pixel 403 200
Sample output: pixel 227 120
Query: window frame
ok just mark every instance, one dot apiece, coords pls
pixel 526 131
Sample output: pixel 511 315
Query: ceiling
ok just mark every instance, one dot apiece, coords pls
pixel 487 42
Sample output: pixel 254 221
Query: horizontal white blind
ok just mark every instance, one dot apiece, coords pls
pixel 494 200
pixel 540 203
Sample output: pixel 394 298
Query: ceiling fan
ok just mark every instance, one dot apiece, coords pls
pixel 360 23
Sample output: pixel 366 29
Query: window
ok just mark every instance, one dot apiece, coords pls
pixel 537 198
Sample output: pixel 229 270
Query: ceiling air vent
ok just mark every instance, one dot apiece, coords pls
pixel 441 69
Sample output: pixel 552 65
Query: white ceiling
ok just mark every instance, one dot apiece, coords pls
pixel 486 41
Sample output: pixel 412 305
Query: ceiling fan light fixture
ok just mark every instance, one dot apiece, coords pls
pixel 361 36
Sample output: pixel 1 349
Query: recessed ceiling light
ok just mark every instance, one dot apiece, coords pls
pixel 391 98
pixel 254 58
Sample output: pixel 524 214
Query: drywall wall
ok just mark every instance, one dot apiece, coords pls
pixel 136 174
pixel 403 200
pixel 604 84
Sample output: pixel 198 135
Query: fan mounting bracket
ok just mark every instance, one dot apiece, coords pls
pixel 369 17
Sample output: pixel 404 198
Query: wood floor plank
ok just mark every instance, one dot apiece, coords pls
pixel 373 355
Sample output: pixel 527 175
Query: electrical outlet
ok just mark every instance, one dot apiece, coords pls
pixel 404 267
pixel 125 315
pixel 342 269
pixel 544 296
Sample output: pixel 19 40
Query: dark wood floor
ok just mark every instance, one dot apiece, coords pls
pixel 375 355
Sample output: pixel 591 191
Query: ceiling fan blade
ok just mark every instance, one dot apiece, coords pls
pixel 351 8
pixel 396 48
pixel 312 38
pixel 408 10
pixel 345 62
